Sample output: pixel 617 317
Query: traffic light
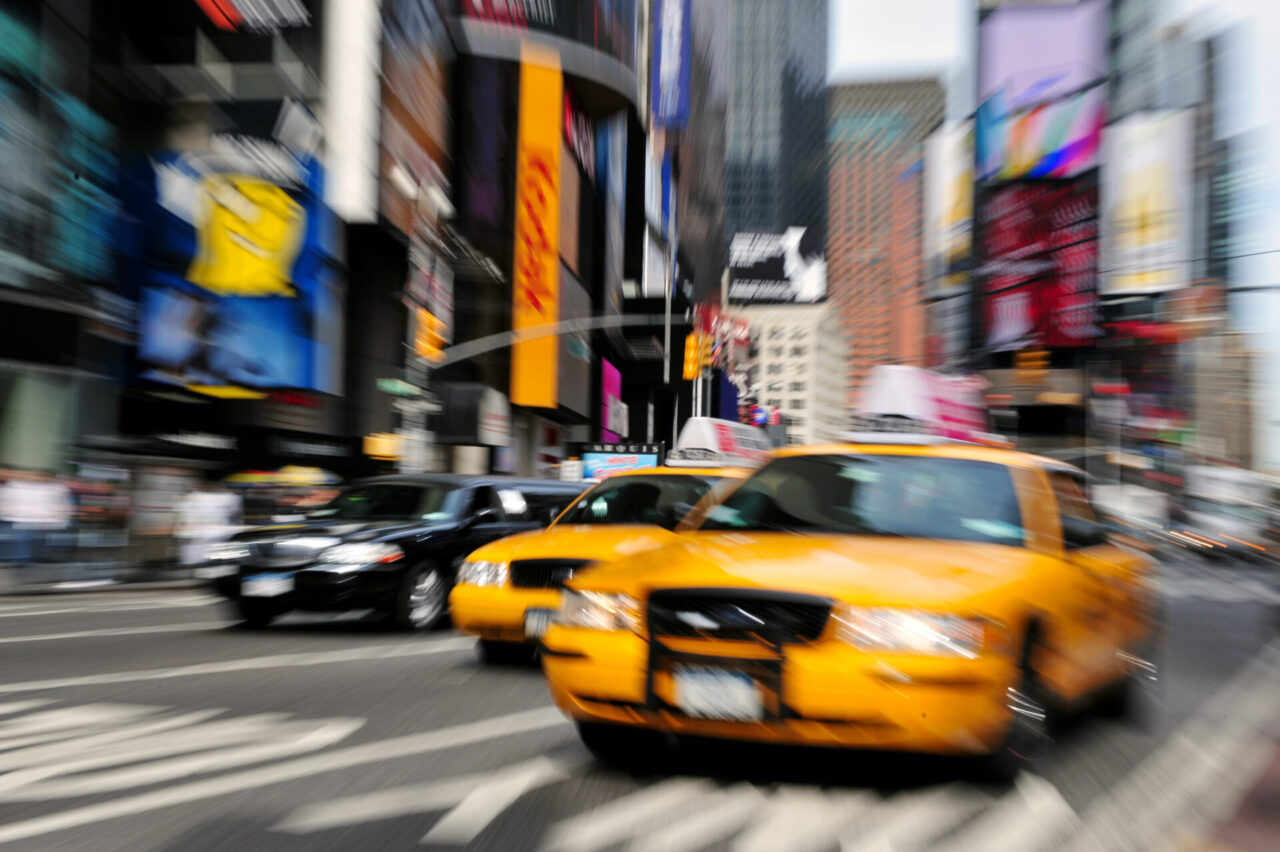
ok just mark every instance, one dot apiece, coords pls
pixel 428 335
pixel 691 368
pixel 705 355
pixel 1032 365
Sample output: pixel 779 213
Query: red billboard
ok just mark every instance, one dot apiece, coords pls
pixel 1039 269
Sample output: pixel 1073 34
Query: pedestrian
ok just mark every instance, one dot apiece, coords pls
pixel 34 505
pixel 205 515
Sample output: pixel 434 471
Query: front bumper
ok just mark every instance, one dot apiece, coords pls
pixel 497 613
pixel 824 693
pixel 321 589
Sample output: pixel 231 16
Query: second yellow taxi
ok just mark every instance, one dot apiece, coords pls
pixel 507 591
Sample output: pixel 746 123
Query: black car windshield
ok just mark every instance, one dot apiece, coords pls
pixel 658 500
pixel 400 502
pixel 911 496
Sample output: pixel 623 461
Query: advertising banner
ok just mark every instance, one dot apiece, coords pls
pixel 1146 203
pixel 1052 140
pixel 536 261
pixel 948 209
pixel 232 251
pixel 414 157
pixel 948 330
pixel 672 61
pixel 1038 273
pixel 603 460
pixel 608 26
pixel 777 268
pixel 1031 54
pixel 610 402
pixel 612 155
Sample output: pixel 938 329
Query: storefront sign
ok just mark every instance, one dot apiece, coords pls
pixel 580 135
pixel 203 440
pixel 605 459
pixel 536 264
pixel 301 447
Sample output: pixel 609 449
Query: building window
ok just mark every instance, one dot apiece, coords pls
pixel 799 351
pixel 797 387
pixel 774 403
pixel 797 405
pixel 775 352
pixel 777 333
pixel 775 369
pixel 799 334
pixel 775 387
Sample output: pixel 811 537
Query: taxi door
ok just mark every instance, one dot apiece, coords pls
pixel 1107 607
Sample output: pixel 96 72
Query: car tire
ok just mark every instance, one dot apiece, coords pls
pixel 493 652
pixel 1031 732
pixel 422 601
pixel 255 615
pixel 621 747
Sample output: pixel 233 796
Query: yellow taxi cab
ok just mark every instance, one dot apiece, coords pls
pixel 507 591
pixel 906 593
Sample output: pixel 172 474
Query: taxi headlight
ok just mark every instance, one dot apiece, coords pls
pixel 482 573
pixel 227 551
pixel 913 632
pixel 361 553
pixel 598 611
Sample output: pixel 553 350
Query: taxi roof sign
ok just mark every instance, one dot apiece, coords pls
pixel 901 403
pixel 709 441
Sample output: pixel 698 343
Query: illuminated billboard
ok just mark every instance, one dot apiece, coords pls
pixel 536 261
pixel 1059 139
pixel 777 267
pixel 1039 267
pixel 1033 54
pixel 1146 203
pixel 948 209
pixel 232 251
pixel 608 26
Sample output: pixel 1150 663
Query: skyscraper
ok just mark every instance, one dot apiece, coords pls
pixel 875 142
pixel 775 165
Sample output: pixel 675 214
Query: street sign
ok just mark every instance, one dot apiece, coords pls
pixel 397 387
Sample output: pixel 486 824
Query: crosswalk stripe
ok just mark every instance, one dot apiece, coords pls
pixel 601 827
pixel 486 802
pixel 803 820
pixel 717 816
pixel 185 627
pixel 1031 816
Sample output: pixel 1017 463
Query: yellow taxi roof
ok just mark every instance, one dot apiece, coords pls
pixel 975 452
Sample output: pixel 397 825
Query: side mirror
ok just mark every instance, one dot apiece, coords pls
pixel 486 515
pixel 1078 533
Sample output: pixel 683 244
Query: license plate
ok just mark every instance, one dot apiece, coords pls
pixel 215 572
pixel 266 585
pixel 536 622
pixel 717 694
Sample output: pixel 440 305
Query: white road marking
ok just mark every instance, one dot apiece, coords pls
pixel 631 816
pixel 120 606
pixel 1192 779
pixel 803 819
pixel 912 820
pixel 84 740
pixel 718 816
pixel 316 658
pixel 394 748
pixel 118 631
pixel 20 706
pixel 58 722
pixel 1033 815
pixel 486 802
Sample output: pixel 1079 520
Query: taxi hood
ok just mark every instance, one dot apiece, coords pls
pixel 861 569
pixel 597 542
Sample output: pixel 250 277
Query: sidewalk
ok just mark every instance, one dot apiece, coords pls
pixel 1255 824
pixel 80 578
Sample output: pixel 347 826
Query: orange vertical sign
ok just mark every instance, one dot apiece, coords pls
pixel 536 264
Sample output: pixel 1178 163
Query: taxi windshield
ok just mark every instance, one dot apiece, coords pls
pixel 434 502
pixel 657 500
pixel 909 496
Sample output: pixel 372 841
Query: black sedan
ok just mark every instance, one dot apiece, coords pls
pixel 389 544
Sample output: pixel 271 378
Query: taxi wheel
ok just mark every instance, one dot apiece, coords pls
pixel 1030 733
pixel 255 615
pixel 423 599
pixel 621 747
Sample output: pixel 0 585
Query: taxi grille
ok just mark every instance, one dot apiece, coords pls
pixel 544 573
pixel 781 618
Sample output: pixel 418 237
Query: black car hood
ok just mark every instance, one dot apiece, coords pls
pixel 343 530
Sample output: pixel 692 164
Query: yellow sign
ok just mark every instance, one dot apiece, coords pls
pixel 248 238
pixel 382 445
pixel 691 356
pixel 536 263
pixel 428 334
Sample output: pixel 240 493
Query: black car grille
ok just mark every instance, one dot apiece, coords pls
pixel 781 618
pixel 544 573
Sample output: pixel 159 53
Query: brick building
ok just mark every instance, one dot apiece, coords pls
pixel 875 142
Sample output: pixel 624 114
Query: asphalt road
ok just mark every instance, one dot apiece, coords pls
pixel 140 721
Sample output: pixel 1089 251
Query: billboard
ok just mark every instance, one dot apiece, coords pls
pixel 777 268
pixel 600 461
pixel 672 61
pixel 1034 54
pixel 611 152
pixel 536 261
pixel 1146 203
pixel 1038 274
pixel 414 155
pixel 612 409
pixel 1058 139
pixel 948 209
pixel 608 26
pixel 232 251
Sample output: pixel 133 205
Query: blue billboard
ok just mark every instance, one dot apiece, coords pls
pixel 230 250
pixel 672 60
